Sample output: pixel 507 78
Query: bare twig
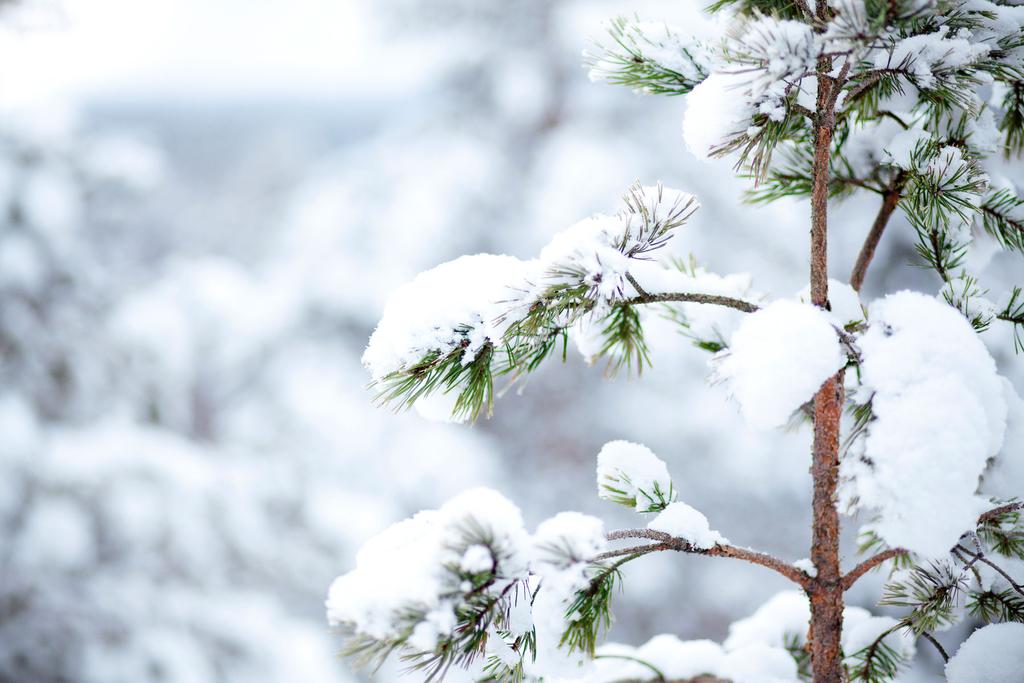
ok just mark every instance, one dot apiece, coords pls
pixel 867 252
pixel 867 565
pixel 938 646
pixel 802 110
pixel 637 550
pixel 688 297
pixel 669 542
pixel 980 557
pixel 636 285
pixel 1000 511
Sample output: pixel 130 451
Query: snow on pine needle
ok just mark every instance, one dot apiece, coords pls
pixel 467 585
pixel 938 413
pixel 446 336
pixel 631 474
pixel 456 305
pixel 649 57
pixel 773 56
pixel 417 582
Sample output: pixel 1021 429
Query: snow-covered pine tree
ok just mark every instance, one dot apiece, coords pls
pixel 913 100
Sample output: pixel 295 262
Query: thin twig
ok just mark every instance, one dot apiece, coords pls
pixel 938 646
pixel 968 565
pixel 867 252
pixel 984 560
pixel 1000 511
pixel 633 550
pixel 802 110
pixel 867 565
pixel 837 85
pixel 688 297
pixel 669 542
pixel 636 285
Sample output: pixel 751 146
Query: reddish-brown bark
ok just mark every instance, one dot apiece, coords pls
pixel 826 590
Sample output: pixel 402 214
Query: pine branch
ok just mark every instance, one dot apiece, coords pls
pixel 1002 216
pixel 876 663
pixel 1004 533
pixel 624 343
pixel 1013 313
pixel 635 60
pixel 996 513
pixel 1012 122
pixel 784 9
pixel 991 606
pixel 668 542
pixel 692 297
pixel 590 611
pixel 931 592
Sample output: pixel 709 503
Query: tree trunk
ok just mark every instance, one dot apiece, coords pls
pixel 826 592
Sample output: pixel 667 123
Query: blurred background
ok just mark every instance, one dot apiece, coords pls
pixel 203 207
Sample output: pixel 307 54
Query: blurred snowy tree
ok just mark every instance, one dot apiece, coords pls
pixel 913 101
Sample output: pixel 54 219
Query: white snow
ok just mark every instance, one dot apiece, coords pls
pixel 785 617
pixel 939 413
pixel 776 55
pixel 716 111
pixel 760 664
pixel 843 299
pixel 561 547
pixel 587 252
pixel 460 303
pixel 677 659
pixel 963 293
pixel 405 568
pixel 993 654
pixel 754 652
pixel 900 150
pixel 477 558
pixel 861 630
pixel 778 359
pixel 632 471
pixel 658 42
pixel 682 521
pixel 556 593
pixel 601 250
pixel 1005 477
pixel 932 53
pixel 806 566
pixel 567 538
